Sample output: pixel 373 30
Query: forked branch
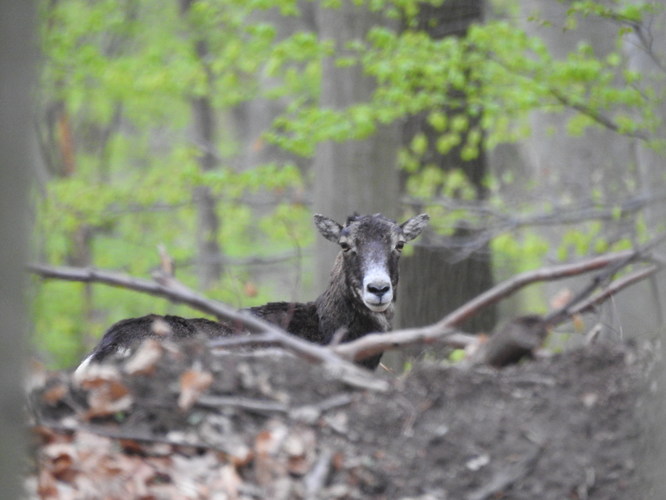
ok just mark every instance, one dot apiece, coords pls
pixel 444 331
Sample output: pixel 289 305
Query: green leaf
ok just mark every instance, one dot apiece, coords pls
pixel 419 144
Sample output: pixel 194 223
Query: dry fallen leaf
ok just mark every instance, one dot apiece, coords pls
pixel 47 485
pixel 589 399
pixel 299 447
pixel 561 298
pixel 53 395
pixel 230 481
pixel 578 323
pixel 59 462
pixel 107 398
pixel 192 384
pixel 238 453
pixel 95 374
pixel 145 358
pixel 161 328
pixel 49 436
pixel 267 445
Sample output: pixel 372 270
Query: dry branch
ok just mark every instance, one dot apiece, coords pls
pixel 612 289
pixel 512 285
pixel 161 286
pixel 264 332
pixel 444 330
pixel 504 478
pixel 334 356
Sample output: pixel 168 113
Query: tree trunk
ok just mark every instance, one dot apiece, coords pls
pixel 432 283
pixel 601 161
pixel 354 176
pixel 16 59
pixel 646 51
pixel 209 266
pixel 208 223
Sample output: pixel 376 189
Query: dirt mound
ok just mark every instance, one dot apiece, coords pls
pixel 192 425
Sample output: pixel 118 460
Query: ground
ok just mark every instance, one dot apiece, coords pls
pixel 188 425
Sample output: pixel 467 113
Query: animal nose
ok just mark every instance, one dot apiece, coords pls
pixel 378 288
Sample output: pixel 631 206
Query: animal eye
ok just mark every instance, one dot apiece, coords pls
pixel 399 246
pixel 345 246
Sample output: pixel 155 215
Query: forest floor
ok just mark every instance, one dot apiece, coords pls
pixel 170 424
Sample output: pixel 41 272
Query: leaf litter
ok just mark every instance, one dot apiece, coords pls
pixel 191 424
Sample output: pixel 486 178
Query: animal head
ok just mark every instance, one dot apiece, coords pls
pixel 370 250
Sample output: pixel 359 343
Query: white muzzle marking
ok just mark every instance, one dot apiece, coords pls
pixel 377 291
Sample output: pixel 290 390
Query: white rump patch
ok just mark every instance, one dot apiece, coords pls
pixel 83 366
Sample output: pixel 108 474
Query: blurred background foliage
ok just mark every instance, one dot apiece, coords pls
pixel 192 126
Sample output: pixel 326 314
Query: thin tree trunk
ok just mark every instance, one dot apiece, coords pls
pixel 205 131
pixel 208 222
pixel 80 255
pixel 16 58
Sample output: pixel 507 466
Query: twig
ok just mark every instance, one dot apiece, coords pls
pixel 161 286
pixel 239 340
pixel 134 435
pixel 595 115
pixel 170 288
pixel 253 405
pixel 376 343
pixel 612 289
pixel 335 401
pixel 315 479
pixel 496 222
pixel 563 313
pixel 504 478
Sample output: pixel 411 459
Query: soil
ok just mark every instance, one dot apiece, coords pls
pixel 190 424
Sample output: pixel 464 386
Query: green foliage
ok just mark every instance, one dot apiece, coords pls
pixel 528 249
pixel 480 91
pixel 123 76
pixel 498 84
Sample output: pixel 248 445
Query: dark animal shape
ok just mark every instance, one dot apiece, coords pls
pixel 359 298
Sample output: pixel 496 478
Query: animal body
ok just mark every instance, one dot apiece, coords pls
pixel 358 300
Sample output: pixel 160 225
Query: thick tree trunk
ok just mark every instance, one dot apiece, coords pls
pixel 646 50
pixel 354 176
pixel 601 161
pixel 433 284
pixel 16 58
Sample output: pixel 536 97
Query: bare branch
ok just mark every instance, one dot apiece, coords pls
pixel 598 117
pixel 444 330
pixel 614 288
pixel 494 221
pixel 641 252
pixel 510 286
pixel 376 343
pixel 161 286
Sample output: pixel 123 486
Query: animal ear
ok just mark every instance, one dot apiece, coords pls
pixel 328 227
pixel 413 227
